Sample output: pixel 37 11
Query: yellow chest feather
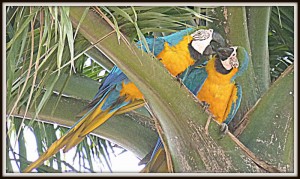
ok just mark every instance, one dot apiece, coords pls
pixel 176 58
pixel 218 92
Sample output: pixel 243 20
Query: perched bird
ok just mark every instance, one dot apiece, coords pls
pixel 180 50
pixel 117 94
pixel 213 83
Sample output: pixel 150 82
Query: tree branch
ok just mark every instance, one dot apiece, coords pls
pixel 258 28
pixel 268 130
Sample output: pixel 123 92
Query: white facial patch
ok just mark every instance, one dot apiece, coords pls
pixel 226 64
pixel 231 61
pixel 201 39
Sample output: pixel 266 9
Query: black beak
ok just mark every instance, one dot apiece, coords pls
pixel 224 53
pixel 218 39
pixel 217 42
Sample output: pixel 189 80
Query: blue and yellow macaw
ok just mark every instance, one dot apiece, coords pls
pixel 117 94
pixel 213 82
pixel 158 161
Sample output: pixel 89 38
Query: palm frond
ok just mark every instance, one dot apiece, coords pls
pixel 281 40
pixel 153 20
pixel 39 40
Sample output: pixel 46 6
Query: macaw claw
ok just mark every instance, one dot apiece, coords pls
pixel 205 106
pixel 224 129
pixel 179 80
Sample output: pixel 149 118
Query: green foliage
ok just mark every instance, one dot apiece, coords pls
pixel 157 20
pixel 40 48
pixel 36 51
pixel 281 40
pixel 92 71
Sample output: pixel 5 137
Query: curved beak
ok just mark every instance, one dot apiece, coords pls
pixel 224 53
pixel 217 38
pixel 217 42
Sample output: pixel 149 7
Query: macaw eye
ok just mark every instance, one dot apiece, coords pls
pixel 224 53
pixel 201 34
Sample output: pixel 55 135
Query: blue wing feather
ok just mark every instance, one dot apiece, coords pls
pixel 235 105
pixel 157 147
pixel 109 91
pixel 156 45
pixel 194 77
pixel 116 76
pixel 175 38
pixel 112 101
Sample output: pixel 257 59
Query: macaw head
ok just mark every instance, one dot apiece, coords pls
pixel 228 58
pixel 232 57
pixel 202 40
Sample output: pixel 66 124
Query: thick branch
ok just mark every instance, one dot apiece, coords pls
pixel 102 59
pixel 258 28
pixel 270 132
pixel 79 87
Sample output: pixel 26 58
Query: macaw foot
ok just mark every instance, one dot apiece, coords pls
pixel 207 124
pixel 224 129
pixel 179 80
pixel 205 106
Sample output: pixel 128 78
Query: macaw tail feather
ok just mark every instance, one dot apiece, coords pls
pixel 89 122
pixel 131 106
pixel 75 135
pixel 158 164
pixel 53 149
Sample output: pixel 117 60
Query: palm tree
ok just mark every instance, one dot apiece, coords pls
pixel 45 46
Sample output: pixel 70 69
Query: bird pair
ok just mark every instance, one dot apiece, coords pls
pixel 184 54
pixel 213 84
